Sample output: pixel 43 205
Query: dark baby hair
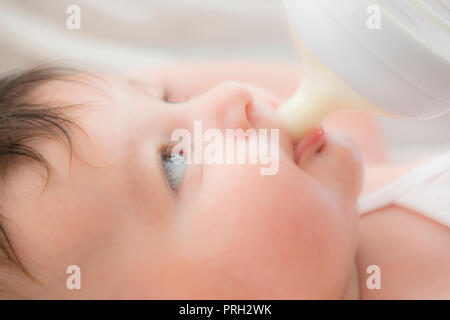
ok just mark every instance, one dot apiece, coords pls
pixel 23 121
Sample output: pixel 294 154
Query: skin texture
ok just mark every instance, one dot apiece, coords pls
pixel 411 250
pixel 228 232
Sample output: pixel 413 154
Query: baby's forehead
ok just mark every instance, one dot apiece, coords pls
pixel 85 88
pixel 72 88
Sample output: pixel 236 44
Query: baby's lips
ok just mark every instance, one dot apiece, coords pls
pixel 310 143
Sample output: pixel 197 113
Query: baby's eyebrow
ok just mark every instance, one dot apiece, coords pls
pixel 145 88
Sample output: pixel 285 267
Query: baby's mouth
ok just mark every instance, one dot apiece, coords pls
pixel 313 142
pixel 263 115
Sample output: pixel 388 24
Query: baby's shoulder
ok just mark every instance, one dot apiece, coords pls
pixel 411 251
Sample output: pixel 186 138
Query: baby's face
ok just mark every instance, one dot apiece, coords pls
pixel 227 231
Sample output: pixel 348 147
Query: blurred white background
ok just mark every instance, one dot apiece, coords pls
pixel 127 34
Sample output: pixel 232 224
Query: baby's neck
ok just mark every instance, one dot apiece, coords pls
pixel 352 289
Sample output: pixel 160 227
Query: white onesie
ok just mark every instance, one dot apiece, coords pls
pixel 425 189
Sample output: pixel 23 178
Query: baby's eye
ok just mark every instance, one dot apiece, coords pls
pixel 173 166
pixel 169 98
pixel 173 102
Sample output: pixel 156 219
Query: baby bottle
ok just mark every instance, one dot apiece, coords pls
pixel 391 57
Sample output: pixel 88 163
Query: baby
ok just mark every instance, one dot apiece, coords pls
pixel 88 180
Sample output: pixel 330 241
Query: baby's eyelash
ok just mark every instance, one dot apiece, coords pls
pixel 167 100
pixel 167 97
pixel 166 152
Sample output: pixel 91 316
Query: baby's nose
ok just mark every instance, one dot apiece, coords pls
pixel 230 104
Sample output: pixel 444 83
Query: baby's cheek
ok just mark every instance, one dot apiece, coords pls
pixel 260 237
pixel 302 243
